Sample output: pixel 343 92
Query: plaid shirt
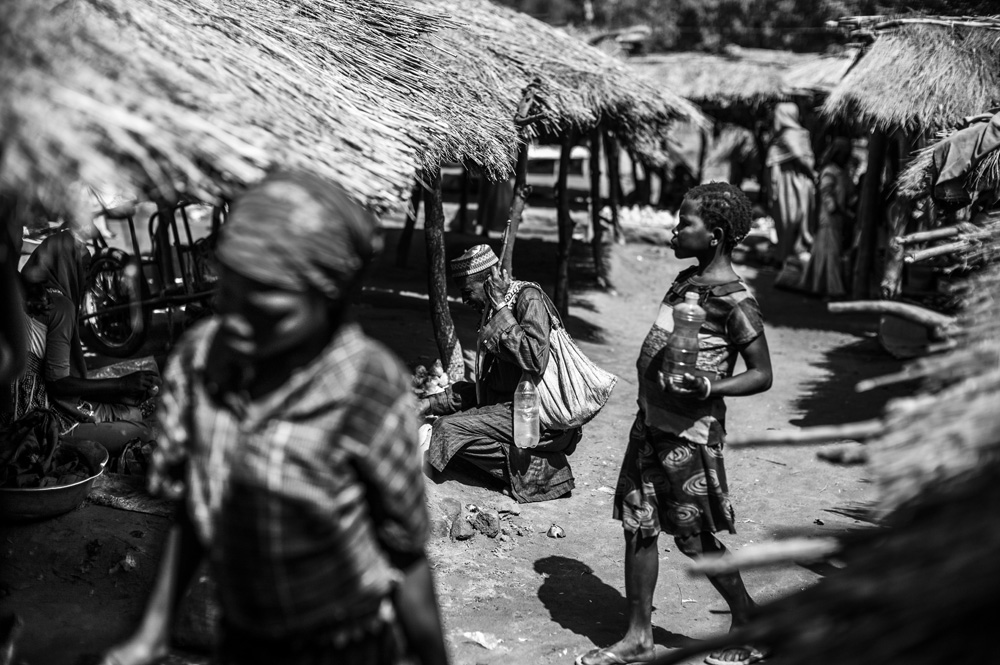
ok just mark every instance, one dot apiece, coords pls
pixel 299 497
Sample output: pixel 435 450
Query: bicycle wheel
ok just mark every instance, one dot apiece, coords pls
pixel 114 321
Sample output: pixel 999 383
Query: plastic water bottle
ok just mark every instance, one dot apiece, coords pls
pixel 680 356
pixel 526 428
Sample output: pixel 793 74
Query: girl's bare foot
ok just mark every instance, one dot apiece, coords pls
pixel 621 653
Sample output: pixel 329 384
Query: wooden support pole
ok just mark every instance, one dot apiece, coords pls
pixel 521 192
pixel 938 324
pixel 463 201
pixel 406 237
pixel 703 155
pixel 808 436
pixel 869 214
pixel 933 252
pixel 764 174
pixel 927 236
pixel 565 223
pixel 614 182
pixel 448 345
pixel 521 188
pixel 597 245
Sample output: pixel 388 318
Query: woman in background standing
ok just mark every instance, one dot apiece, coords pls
pixel 790 161
pixel 823 276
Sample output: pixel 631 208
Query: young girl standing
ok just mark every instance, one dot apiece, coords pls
pixel 673 479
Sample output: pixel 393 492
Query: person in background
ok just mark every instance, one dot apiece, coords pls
pixel 478 425
pixel 291 437
pixel 823 274
pixel 673 477
pixel 790 162
pixel 102 410
pixel 13 324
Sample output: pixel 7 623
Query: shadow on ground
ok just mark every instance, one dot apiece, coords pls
pixel 579 601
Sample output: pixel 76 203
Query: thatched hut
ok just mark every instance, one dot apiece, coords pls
pixel 741 86
pixel 923 73
pixel 920 75
pixel 818 76
pixel 739 79
pixel 492 53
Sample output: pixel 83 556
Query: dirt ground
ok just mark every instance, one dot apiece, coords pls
pixel 524 597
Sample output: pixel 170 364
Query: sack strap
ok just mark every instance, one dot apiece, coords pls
pixel 510 298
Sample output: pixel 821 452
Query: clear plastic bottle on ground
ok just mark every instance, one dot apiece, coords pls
pixel 527 430
pixel 680 356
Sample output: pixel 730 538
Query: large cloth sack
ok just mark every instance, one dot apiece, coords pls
pixel 573 389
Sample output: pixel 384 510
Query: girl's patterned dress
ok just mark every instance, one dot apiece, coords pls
pixel 673 478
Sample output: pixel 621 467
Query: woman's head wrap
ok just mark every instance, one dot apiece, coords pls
pixel 297 231
pixel 60 263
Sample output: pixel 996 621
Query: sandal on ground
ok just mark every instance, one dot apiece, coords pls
pixel 607 657
pixel 741 655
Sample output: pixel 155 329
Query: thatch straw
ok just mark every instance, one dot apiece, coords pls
pixel 494 52
pixel 820 75
pixel 198 98
pixel 917 179
pixel 744 76
pixel 922 75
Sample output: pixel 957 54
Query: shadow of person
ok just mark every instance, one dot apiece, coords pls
pixel 579 601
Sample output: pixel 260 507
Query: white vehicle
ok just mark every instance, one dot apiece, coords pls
pixel 543 171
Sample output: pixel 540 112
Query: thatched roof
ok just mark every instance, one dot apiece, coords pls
pixel 917 179
pixel 493 53
pixel 200 96
pixel 925 74
pixel 819 75
pixel 742 76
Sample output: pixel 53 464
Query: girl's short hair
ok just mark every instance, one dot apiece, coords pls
pixel 723 206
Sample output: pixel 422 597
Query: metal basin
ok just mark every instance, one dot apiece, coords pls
pixel 39 503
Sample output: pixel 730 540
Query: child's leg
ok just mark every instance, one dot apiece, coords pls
pixel 642 566
pixel 730 585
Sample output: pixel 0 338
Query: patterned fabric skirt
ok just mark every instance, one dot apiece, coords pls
pixel 26 393
pixel 670 485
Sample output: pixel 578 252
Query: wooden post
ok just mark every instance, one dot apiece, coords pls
pixel 869 214
pixel 522 190
pixel 565 223
pixel 764 175
pixel 702 155
pixel 597 246
pixel 634 163
pixel 448 345
pixel 463 201
pixel 406 237
pixel 614 183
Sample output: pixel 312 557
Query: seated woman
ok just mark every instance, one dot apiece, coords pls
pixel 102 410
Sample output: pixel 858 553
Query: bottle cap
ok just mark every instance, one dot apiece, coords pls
pixel 691 298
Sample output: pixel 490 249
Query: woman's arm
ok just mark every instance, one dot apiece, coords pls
pixel 182 554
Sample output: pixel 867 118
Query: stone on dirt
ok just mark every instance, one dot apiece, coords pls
pixel 461 529
pixel 487 522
